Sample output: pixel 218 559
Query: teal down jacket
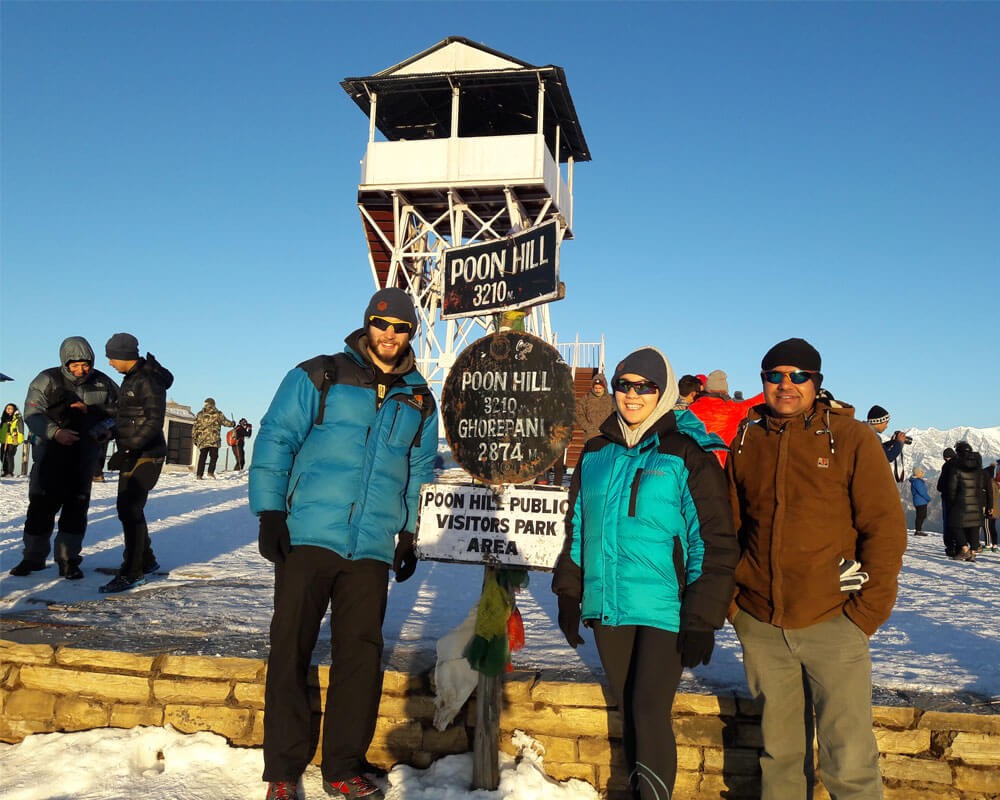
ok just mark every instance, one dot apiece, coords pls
pixel 351 482
pixel 649 534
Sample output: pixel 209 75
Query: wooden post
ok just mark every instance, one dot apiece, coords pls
pixel 24 457
pixel 486 740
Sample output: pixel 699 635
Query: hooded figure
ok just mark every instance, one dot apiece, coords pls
pixel 967 496
pixel 65 410
pixel 648 557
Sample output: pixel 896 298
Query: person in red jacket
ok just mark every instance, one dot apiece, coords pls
pixel 719 412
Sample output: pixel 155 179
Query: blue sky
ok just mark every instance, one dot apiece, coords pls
pixel 188 172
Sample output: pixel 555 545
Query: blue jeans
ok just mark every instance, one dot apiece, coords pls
pixel 823 669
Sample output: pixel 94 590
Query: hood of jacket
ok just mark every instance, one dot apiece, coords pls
pixel 668 397
pixel 818 417
pixel 75 348
pixel 164 374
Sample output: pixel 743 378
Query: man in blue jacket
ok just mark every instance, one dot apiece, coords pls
pixel 335 478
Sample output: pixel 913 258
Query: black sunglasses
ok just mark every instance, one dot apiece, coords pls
pixel 384 324
pixel 796 376
pixel 640 387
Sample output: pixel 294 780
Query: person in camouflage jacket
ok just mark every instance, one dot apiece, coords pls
pixel 207 437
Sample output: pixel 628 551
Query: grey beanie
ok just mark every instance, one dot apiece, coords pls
pixel 122 347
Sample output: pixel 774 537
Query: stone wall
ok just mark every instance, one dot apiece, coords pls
pixel 925 755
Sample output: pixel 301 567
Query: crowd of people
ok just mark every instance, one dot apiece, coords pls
pixel 688 507
pixel 73 411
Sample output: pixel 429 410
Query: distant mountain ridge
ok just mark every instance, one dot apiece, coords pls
pixel 926 451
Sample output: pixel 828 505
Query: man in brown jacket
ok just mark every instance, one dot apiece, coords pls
pixel 822 535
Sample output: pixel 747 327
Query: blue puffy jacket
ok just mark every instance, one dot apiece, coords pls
pixel 650 538
pixel 918 488
pixel 350 481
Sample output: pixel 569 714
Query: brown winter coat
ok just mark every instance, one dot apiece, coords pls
pixel 591 411
pixel 804 494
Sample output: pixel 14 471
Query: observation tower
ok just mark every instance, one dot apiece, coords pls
pixel 478 147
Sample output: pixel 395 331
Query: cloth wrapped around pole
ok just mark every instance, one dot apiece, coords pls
pixel 489 650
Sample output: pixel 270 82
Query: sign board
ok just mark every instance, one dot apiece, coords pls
pixel 522 526
pixel 502 274
pixel 507 406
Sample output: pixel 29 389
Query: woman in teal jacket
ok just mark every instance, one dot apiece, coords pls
pixel 648 559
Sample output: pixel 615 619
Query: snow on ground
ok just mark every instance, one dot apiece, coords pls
pixel 939 649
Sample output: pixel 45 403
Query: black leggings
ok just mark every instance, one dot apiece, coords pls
pixel 644 669
pixel 918 524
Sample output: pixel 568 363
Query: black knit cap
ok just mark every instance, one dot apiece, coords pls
pixel 645 362
pixel 877 414
pixel 122 347
pixel 391 302
pixel 792 353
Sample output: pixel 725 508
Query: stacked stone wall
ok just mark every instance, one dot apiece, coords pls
pixel 43 689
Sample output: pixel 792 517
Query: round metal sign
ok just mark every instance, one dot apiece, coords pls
pixel 507 407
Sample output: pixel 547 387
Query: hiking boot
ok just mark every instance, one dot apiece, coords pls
pixel 212 475
pixel 121 583
pixel 282 790
pixel 151 569
pixel 350 788
pixel 920 533
pixel 26 567
pixel 72 572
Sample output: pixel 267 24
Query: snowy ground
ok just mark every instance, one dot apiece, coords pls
pixel 938 650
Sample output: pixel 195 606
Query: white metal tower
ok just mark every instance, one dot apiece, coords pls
pixel 477 145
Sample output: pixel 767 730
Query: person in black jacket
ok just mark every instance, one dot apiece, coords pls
pixel 141 451
pixel 242 432
pixel 949 464
pixel 966 494
pixel 66 410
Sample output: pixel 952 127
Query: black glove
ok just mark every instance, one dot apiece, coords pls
pixel 695 646
pixel 274 541
pixel 404 560
pixel 122 460
pixel 569 619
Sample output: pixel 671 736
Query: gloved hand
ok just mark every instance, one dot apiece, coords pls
pixel 273 540
pixel 122 460
pixel 695 646
pixel 569 619
pixel 851 576
pixel 404 560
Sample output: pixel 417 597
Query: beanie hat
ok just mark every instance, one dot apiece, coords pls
pixel 948 454
pixel 391 302
pixel 122 347
pixel 792 353
pixel 717 382
pixel 598 378
pixel 646 362
pixel 701 379
pixel 963 447
pixel 877 415
pixel 209 401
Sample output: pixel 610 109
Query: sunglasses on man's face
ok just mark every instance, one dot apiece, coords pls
pixel 384 324
pixel 796 376
pixel 640 387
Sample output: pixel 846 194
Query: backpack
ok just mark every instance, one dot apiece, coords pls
pixel 232 439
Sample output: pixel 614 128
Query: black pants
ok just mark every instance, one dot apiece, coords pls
pixel 60 484
pixel 210 454
pixel 964 537
pixel 644 669
pixel 918 524
pixel 239 454
pixel 133 490
pixel 311 580
pixel 9 451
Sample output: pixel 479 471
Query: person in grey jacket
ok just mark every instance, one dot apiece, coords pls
pixel 68 412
